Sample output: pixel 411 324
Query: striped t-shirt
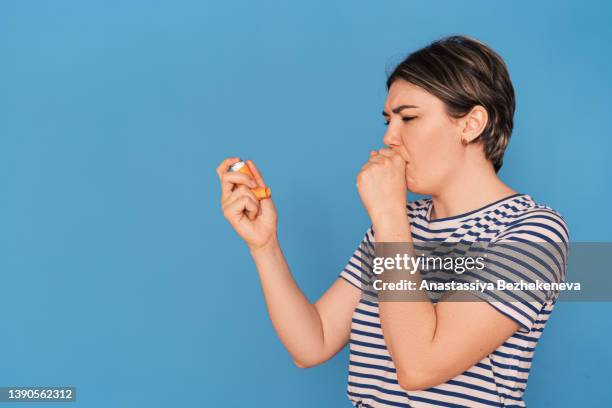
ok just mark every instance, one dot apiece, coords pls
pixel 500 378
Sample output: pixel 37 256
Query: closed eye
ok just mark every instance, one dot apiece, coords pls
pixel 404 118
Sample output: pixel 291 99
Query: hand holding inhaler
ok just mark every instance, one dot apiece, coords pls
pixel 246 202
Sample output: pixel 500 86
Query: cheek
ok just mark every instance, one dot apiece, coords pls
pixel 424 152
pixel 432 156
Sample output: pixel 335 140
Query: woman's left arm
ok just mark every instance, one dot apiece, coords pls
pixel 432 344
pixel 428 344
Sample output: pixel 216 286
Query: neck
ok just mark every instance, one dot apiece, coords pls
pixel 470 188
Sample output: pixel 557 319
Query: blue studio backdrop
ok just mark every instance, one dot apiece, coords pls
pixel 119 274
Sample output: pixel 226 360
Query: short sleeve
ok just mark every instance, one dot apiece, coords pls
pixel 525 263
pixel 357 272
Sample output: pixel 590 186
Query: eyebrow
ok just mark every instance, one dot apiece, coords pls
pixel 399 108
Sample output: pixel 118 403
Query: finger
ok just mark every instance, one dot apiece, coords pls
pixel 241 191
pixel 242 204
pixel 387 152
pixel 246 205
pixel 377 159
pixel 235 195
pixel 391 154
pixel 253 208
pixel 225 165
pixel 256 174
pixel 230 180
pixel 266 206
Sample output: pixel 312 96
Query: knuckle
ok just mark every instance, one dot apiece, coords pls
pixel 240 178
pixel 222 165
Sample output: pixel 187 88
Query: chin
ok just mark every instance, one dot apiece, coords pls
pixel 414 186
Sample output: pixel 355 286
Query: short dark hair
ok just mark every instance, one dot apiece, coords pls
pixel 463 72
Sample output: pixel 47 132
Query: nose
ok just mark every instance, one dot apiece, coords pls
pixel 392 137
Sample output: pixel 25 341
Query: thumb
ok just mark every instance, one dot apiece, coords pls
pixel 266 206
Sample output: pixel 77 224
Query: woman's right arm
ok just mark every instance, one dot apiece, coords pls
pixel 312 333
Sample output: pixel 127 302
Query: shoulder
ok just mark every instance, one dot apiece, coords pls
pixel 532 220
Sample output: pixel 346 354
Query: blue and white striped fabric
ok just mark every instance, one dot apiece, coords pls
pixel 499 379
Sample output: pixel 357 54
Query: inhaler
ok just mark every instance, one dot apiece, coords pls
pixel 259 192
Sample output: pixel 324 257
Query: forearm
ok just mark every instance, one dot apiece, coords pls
pixel 294 318
pixel 408 326
pixel 409 329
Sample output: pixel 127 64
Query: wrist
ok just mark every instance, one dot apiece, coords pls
pixel 392 227
pixel 388 215
pixel 269 248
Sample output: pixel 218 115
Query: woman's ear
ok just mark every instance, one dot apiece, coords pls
pixel 474 123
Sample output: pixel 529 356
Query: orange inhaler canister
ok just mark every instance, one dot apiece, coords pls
pixel 260 192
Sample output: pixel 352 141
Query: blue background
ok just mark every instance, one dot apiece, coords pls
pixel 120 275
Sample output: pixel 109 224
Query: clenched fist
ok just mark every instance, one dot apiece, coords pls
pixel 382 184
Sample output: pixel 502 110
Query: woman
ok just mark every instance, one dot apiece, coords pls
pixel 449 116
